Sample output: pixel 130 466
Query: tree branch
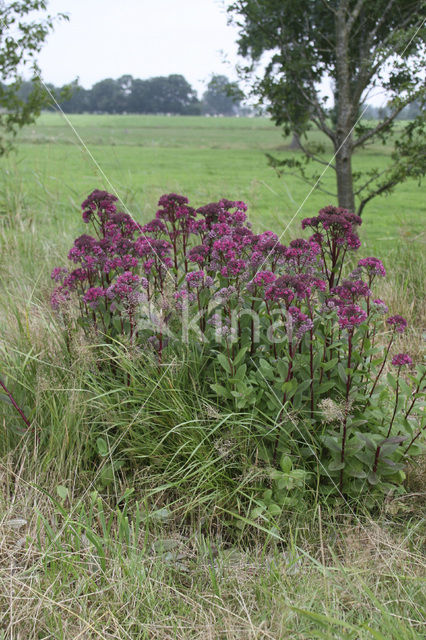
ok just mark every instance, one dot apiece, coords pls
pixel 319 111
pixel 328 6
pixel 354 15
pixel 314 157
pixel 384 187
pixel 365 185
pixel 380 127
pixel 379 23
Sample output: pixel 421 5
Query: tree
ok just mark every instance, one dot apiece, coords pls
pixel 72 98
pixel 108 96
pixel 21 39
pixel 171 94
pixel 357 46
pixel 222 97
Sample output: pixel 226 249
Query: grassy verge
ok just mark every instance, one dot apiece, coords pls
pixel 124 509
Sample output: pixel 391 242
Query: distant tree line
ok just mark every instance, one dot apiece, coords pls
pixel 168 94
pixel 163 94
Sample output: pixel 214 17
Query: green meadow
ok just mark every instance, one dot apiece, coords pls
pixel 142 157
pixel 136 539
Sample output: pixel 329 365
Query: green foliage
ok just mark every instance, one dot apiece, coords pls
pixel 356 47
pixel 222 97
pixel 21 39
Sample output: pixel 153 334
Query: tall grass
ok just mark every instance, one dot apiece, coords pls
pixel 125 508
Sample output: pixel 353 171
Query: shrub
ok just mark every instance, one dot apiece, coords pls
pixel 296 338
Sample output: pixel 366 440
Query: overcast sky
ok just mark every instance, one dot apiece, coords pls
pixel 145 38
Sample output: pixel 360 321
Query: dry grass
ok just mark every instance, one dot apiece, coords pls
pixel 166 584
pixel 177 580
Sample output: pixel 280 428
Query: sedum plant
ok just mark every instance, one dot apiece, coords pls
pixel 290 333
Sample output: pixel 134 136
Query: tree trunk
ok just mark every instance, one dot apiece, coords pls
pixel 345 111
pixel 295 142
pixel 345 192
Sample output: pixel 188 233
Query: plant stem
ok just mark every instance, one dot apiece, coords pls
pixel 345 418
pixel 414 439
pixel 376 459
pixel 15 404
pixel 252 330
pixel 414 397
pixel 288 378
pixel 311 360
pixel 382 367
pixel 271 324
pixel 396 403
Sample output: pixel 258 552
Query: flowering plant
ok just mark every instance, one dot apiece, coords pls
pixel 298 339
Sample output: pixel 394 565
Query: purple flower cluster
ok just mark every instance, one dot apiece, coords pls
pixel 334 233
pixel 352 290
pixel 350 316
pixel 299 322
pixel 398 323
pixel 401 359
pixel 335 224
pixel 380 306
pixel 93 296
pixel 185 256
pixel 372 266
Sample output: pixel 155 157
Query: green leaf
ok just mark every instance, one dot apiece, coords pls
pixel 358 421
pixel 241 372
pixel 220 390
pixel 330 364
pixel 107 474
pixel 161 515
pixel 326 386
pixel 240 355
pixel 274 509
pixel 354 445
pixel 267 496
pixel 224 362
pixel 370 444
pixel 341 370
pixel 391 380
pixel 289 388
pixel 102 447
pixel 286 463
pixel 331 443
pixel 305 384
pixel 392 440
pixel 396 466
pixel 336 465
pixel 282 368
pixel 266 369
pixel 373 478
pixel 297 400
pixel 117 324
pixel 62 492
pixel 355 470
pixel 257 512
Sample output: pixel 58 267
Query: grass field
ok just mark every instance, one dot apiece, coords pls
pixel 146 552
pixel 143 157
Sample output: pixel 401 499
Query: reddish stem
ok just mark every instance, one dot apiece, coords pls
pixel 414 397
pixel 382 367
pixel 15 404
pixel 396 404
pixel 345 419
pixel 414 439
pixel 376 459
